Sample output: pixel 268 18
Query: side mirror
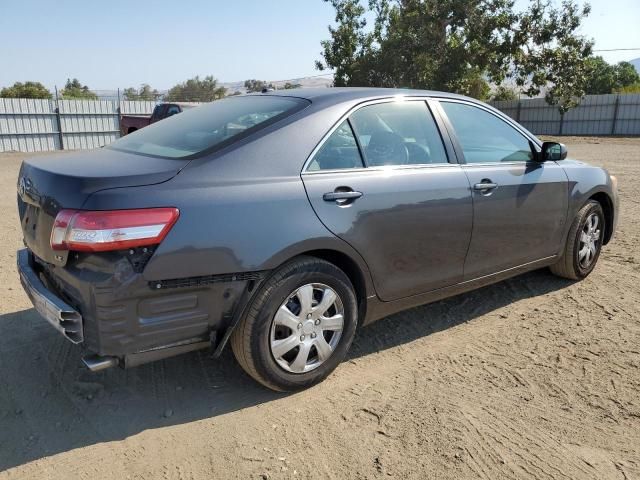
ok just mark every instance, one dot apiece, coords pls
pixel 553 151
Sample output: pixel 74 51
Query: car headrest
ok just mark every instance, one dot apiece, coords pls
pixel 386 148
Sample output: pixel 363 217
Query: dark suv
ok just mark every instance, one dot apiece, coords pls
pixel 283 221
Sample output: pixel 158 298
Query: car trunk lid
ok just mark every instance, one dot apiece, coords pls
pixel 48 184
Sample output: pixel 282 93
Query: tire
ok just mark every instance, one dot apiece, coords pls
pixel 573 264
pixel 272 350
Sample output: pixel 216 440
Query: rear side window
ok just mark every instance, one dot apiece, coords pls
pixel 485 138
pixel 398 133
pixel 172 110
pixel 210 126
pixel 338 152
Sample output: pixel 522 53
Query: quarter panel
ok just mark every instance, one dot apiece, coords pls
pixel 230 226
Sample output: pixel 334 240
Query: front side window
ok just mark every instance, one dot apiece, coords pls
pixel 398 133
pixel 208 126
pixel 339 151
pixel 485 138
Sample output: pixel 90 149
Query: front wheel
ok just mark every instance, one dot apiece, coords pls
pixel 299 327
pixel 584 243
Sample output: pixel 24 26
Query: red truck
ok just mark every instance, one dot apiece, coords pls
pixel 131 123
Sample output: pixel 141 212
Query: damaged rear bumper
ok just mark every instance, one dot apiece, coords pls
pixel 105 302
pixel 62 316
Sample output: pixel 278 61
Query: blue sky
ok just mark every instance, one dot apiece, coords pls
pixel 125 43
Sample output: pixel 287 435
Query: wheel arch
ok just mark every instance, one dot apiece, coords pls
pixel 354 269
pixel 351 269
pixel 606 203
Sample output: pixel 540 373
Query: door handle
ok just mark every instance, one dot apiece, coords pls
pixel 341 197
pixel 485 185
pixel 332 196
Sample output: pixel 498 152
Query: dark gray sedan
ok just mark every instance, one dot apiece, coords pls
pixel 283 221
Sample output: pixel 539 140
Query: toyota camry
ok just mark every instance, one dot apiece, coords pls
pixel 281 222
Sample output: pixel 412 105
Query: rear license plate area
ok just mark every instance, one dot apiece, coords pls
pixel 30 224
pixel 36 231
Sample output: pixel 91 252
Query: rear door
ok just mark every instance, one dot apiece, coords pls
pixel 520 205
pixel 385 182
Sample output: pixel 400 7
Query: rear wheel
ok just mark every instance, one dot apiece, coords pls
pixel 299 326
pixel 584 243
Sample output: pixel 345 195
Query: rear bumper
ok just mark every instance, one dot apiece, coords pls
pixel 62 316
pixel 104 302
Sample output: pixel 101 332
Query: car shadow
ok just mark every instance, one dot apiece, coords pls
pixel 50 404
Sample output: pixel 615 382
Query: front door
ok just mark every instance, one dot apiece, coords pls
pixel 520 205
pixel 382 182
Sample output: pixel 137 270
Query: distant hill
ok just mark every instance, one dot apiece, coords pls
pixel 305 82
pixel 636 63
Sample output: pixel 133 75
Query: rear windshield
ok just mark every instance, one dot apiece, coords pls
pixel 209 126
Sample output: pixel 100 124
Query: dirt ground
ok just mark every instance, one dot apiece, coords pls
pixel 535 377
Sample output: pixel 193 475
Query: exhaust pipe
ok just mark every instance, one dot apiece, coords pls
pixel 96 363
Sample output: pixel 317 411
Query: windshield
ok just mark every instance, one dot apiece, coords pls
pixel 208 126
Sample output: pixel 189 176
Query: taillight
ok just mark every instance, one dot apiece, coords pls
pixel 101 231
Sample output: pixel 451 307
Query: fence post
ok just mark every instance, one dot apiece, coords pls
pixel 561 123
pixel 518 111
pixel 615 115
pixel 59 121
pixel 119 110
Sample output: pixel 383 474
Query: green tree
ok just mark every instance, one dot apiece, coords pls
pixel 349 52
pixel 504 93
pixel 26 90
pixel 549 54
pixel 478 87
pixel 197 90
pixel 145 92
pixel 75 90
pixel 606 78
pixel 601 76
pixel 633 88
pixel 289 86
pixel 626 75
pixel 455 44
pixel 256 85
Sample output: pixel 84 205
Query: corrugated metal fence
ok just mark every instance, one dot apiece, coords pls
pixel 34 125
pixel 600 115
pixel 29 125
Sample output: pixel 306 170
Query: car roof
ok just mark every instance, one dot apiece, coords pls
pixel 334 95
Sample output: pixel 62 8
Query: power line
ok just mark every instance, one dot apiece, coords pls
pixel 616 49
pixel 303 77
